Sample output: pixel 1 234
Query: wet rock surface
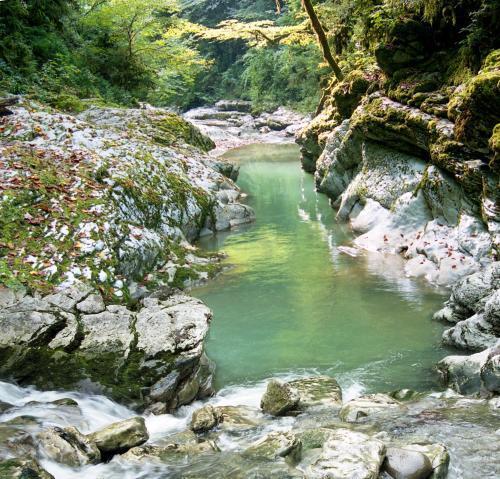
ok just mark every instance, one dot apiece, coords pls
pixel 152 357
pixel 431 437
pixel 119 437
pixel 405 464
pixel 280 398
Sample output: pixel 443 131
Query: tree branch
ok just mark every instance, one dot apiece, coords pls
pixel 323 41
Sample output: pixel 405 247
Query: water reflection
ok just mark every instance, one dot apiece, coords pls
pixel 294 300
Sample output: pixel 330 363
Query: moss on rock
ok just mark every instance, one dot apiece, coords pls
pixel 475 107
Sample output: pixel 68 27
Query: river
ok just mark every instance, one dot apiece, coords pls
pixel 293 302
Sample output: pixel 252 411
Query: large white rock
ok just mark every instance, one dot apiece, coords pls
pixel 347 454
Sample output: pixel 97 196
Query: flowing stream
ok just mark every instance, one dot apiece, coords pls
pixel 294 301
pixel 291 304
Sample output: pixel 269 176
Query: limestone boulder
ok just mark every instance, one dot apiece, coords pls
pixel 318 391
pixel 205 419
pixel 68 446
pixel 348 454
pixel 119 437
pixel 406 464
pixel 475 374
pixel 275 445
pixel 150 358
pixel 279 399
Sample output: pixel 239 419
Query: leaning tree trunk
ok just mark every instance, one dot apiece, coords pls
pixel 323 41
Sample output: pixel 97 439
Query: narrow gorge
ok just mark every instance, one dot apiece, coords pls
pixel 200 277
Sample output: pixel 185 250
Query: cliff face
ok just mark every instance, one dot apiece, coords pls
pixel 412 164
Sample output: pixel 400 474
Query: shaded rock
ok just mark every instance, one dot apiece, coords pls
pixel 205 418
pixel 164 390
pixel 22 468
pixel 68 446
pixel 15 441
pixel 372 404
pixel 5 407
pixel 473 334
pixel 275 445
pixel 406 464
pixel 490 373
pixel 472 374
pixel 474 107
pixel 348 454
pixel 409 43
pixel 279 398
pixel 121 436
pixel 318 391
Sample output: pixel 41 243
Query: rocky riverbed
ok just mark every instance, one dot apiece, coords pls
pixel 103 316
pixel 232 123
pixel 306 427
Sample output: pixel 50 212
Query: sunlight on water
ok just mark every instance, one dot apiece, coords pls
pixel 293 300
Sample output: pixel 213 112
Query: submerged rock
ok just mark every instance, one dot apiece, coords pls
pixel 372 404
pixel 121 436
pixel 279 399
pixel 276 445
pixel 22 468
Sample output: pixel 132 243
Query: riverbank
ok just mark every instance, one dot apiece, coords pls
pixel 404 164
pixel 160 340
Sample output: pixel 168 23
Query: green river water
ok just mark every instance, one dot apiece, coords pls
pixel 292 302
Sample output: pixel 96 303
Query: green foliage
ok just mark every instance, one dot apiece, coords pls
pixel 284 75
pixel 187 52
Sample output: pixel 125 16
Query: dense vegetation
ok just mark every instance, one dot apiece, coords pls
pixel 178 53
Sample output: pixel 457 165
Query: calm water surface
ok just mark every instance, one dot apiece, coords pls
pixel 292 301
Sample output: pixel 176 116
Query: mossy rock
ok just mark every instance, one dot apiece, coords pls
pixel 22 469
pixel 67 102
pixel 409 44
pixel 475 107
pixel 170 128
pixel 348 93
pixel 494 144
pixel 414 89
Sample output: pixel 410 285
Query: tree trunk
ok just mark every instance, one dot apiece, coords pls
pixel 323 41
